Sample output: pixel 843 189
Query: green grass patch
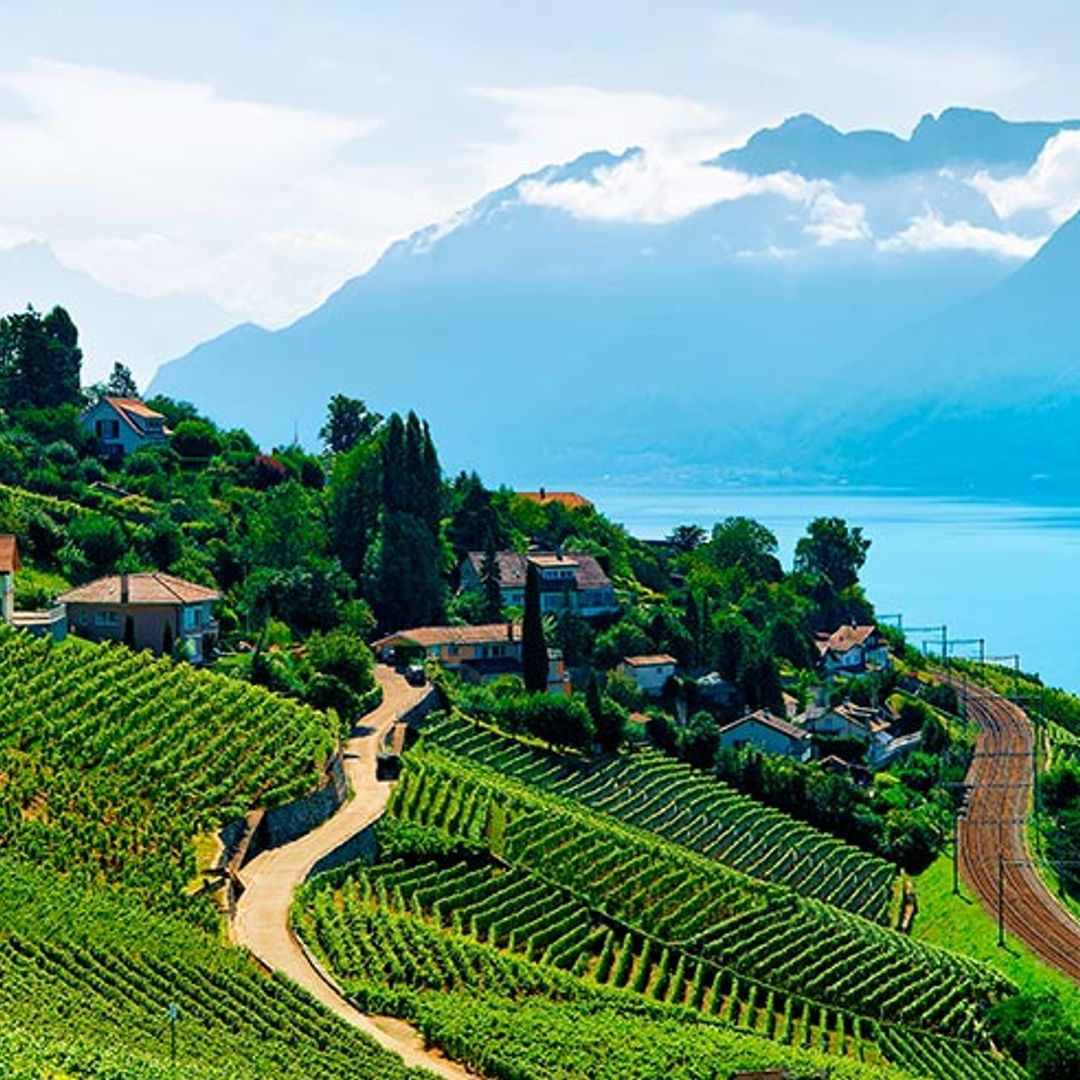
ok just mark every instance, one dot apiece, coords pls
pixel 960 923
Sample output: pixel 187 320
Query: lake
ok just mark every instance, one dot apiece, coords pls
pixel 1009 573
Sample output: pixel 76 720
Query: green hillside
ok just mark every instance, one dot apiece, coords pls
pixel 507 889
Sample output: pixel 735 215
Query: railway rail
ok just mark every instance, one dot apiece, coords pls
pixel 993 838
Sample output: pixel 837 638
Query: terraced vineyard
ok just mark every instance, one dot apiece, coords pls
pixel 681 804
pixel 409 927
pixel 86 982
pixel 765 933
pixel 110 761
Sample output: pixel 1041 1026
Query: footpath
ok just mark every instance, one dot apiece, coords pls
pixel 261 922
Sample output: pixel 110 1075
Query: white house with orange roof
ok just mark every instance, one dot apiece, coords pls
pixel 123 425
pixel 852 649
pixel 651 672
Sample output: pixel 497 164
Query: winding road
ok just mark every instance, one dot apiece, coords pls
pixel 262 922
pixel 996 823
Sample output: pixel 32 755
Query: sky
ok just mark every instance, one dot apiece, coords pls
pixel 259 154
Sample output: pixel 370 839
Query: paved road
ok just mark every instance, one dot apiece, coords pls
pixel 270 879
pixel 996 822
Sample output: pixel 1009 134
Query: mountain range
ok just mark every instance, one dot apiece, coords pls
pixel 113 325
pixel 812 305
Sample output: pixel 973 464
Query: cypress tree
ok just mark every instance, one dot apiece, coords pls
pixel 533 646
pixel 490 580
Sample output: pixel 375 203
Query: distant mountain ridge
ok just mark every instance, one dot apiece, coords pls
pixel 739 338
pixel 808 146
pixel 113 325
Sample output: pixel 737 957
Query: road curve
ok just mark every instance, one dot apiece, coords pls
pixel 262 922
pixel 996 822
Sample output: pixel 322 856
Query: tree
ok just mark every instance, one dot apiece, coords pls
pixel 491 581
pixel 121 383
pixel 534 652
pixel 686 538
pixel 40 360
pixel 833 551
pixel 348 422
pixel 747 544
pixel 403 580
pixel 196 440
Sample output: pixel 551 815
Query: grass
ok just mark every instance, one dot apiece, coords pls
pixel 960 923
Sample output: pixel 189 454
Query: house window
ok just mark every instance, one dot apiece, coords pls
pixel 108 429
pixel 452 650
pixel 107 618
pixel 192 618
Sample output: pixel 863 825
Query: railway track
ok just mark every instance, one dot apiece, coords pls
pixel 995 827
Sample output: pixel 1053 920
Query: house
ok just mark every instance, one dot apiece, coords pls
pixel 49 623
pixel 718 692
pixel 569 579
pixel 851 650
pixel 847 721
pixel 478 653
pixel 768 733
pixel 568 500
pixel 651 673
pixel 154 611
pixel 123 425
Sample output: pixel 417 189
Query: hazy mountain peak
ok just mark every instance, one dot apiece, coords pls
pixel 956 137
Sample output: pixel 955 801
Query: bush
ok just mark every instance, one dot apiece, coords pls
pixel 196 440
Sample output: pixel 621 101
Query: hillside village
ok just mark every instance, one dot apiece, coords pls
pixel 526 773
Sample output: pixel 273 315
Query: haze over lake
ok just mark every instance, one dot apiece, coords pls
pixel 1006 572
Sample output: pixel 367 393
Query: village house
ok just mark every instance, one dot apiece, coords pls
pixel 650 673
pixel 568 500
pixel 768 733
pixel 852 650
pixel 864 724
pixel 123 425
pixel 155 611
pixel 49 623
pixel 477 653
pixel 569 580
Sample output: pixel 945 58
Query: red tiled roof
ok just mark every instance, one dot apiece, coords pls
pixel 487 634
pixel 569 499
pixel 135 407
pixel 9 554
pixel 845 638
pixel 763 716
pixel 513 566
pixel 654 660
pixel 154 589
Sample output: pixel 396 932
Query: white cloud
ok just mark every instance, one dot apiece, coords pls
pixel 859 78
pixel 1052 184
pixel 652 189
pixel 929 232
pixel 155 185
pixel 834 221
pixel 552 124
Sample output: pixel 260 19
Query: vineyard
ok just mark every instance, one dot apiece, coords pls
pixel 86 982
pixel 111 762
pixel 407 933
pixel 678 803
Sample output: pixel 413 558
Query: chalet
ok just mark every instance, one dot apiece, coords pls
pixel 477 653
pixel 570 579
pixel 851 650
pixel 49 623
pixel 159 612
pixel 568 500
pixel 768 733
pixel 123 425
pixel 847 721
pixel 651 673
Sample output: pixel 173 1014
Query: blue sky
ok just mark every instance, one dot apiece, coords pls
pixel 261 153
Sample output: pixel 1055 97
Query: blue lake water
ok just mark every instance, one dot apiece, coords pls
pixel 1008 573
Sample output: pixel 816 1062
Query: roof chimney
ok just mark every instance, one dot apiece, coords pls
pixel 125 588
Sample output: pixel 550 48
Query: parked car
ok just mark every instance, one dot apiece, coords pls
pixel 414 675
